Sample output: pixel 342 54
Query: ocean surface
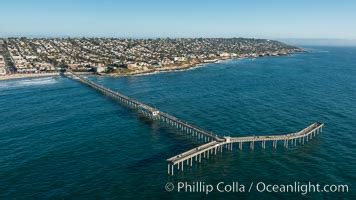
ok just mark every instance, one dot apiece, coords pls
pixel 60 139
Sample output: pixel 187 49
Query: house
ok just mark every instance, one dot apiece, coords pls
pixel 180 59
pixel 225 54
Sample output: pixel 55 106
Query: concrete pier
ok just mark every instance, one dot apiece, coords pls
pixel 153 113
pixel 288 140
pixel 214 143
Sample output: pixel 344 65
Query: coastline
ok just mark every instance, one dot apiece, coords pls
pixel 158 70
pixel 183 67
pixel 21 76
pixel 34 75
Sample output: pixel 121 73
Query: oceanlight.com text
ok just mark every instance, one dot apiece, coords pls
pixel 237 187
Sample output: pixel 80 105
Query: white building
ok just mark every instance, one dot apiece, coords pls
pixel 180 59
pixel 225 54
pixel 100 69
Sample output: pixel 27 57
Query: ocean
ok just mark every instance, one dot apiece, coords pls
pixel 60 139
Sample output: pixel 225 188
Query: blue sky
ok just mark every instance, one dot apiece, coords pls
pixel 173 18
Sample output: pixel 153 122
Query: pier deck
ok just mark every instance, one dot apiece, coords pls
pixel 211 148
pixel 153 113
pixel 213 143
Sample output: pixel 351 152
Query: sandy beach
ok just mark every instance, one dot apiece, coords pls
pixel 19 76
pixel 34 75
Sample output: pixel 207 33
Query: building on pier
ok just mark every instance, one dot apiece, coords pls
pixel 148 111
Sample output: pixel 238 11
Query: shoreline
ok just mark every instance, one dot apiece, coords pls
pixel 184 67
pixel 22 76
pixel 159 70
pixel 34 75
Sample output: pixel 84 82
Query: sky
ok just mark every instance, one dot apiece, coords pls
pixel 329 19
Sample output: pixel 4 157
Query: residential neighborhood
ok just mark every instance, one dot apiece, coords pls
pixel 127 56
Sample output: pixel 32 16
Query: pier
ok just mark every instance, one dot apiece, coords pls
pixel 210 149
pixel 152 113
pixel 213 143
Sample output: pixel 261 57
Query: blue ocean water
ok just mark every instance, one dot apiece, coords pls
pixel 60 139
